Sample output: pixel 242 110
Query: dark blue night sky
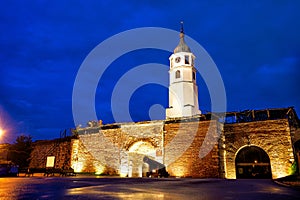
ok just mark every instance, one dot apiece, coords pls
pixel 255 45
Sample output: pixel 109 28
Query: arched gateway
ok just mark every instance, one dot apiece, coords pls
pixel 137 167
pixel 252 162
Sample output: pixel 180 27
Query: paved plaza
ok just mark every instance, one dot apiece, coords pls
pixel 141 188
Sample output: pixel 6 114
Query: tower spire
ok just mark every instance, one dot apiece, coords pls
pixel 183 90
pixel 182 47
pixel 181 27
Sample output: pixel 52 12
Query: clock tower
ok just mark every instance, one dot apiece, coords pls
pixel 183 90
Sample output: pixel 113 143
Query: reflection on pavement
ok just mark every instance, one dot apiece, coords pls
pixel 140 188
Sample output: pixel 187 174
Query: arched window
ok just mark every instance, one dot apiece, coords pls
pixel 194 76
pixel 187 59
pixel 177 75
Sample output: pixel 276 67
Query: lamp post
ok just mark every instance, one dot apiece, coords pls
pixel 1 132
pixel 1 141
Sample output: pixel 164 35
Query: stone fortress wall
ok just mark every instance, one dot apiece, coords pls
pixel 60 148
pixel 122 147
pixel 188 143
pixel 273 136
pixel 182 140
pixel 182 153
pixel 111 147
pixel 118 149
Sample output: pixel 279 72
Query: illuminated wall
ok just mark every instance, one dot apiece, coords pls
pixel 83 161
pixel 117 149
pixel 171 143
pixel 182 154
pixel 91 153
pixel 60 148
pixel 136 152
pixel 273 136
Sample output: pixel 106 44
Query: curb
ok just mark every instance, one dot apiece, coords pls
pixel 286 185
pixel 282 184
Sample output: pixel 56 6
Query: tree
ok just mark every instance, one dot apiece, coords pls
pixel 19 152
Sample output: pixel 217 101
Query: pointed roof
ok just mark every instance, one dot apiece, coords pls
pixel 182 47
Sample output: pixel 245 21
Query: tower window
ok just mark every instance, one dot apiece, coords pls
pixel 194 76
pixel 177 74
pixel 187 59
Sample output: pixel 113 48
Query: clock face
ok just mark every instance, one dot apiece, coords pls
pixel 177 60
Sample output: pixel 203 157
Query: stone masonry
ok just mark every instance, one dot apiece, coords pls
pixel 182 155
pixel 60 148
pixel 273 136
pixel 188 147
pixel 107 147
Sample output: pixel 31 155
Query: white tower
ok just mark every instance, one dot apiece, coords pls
pixel 183 90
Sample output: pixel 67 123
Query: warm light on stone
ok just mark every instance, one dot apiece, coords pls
pixel 273 136
pixel 77 166
pixel 124 170
pixel 179 172
pixel 99 170
pixel 268 137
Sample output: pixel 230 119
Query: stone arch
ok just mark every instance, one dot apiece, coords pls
pixel 134 141
pixel 252 162
pixel 136 153
pixel 137 144
pixel 273 136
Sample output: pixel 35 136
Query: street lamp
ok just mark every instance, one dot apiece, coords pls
pixel 1 132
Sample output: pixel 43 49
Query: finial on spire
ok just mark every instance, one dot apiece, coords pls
pixel 181 27
pixel 181 30
pixel 182 47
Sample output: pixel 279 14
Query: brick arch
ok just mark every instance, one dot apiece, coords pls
pixel 136 153
pixel 239 142
pixel 129 143
pixel 258 163
pixel 248 145
pixel 140 146
pixel 235 143
pixel 272 136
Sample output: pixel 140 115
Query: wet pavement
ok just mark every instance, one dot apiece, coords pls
pixel 141 188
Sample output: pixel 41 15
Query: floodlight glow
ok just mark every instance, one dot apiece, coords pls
pixel 1 132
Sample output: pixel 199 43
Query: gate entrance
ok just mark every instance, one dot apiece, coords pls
pixel 136 153
pixel 252 162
